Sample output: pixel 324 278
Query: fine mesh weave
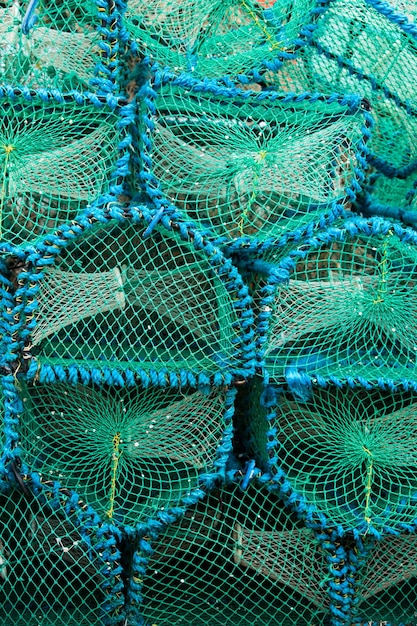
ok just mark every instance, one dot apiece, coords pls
pixel 246 166
pixel 350 453
pixel 62 49
pixel 53 570
pixel 387 582
pixel 214 38
pixel 55 158
pixel 156 304
pixel 347 308
pixel 128 453
pixel 358 47
pixel 236 558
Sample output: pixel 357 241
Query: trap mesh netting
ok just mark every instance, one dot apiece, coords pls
pixel 215 38
pixel 235 558
pixel 53 44
pixel 58 565
pixel 134 304
pixel 368 48
pixel 130 453
pixel 343 307
pixel 348 452
pixel 56 157
pixel 251 166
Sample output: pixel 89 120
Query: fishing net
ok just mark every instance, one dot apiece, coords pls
pixel 57 566
pixel 249 165
pixel 213 38
pixel 115 300
pixel 350 453
pixel 386 583
pixel 128 453
pixel 364 47
pixel 54 44
pixel 345 308
pixel 55 158
pixel 235 558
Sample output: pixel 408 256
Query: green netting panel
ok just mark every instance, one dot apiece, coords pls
pixel 393 198
pixel 55 158
pixel 387 589
pixel 54 571
pixel 63 49
pixel 128 453
pixel 214 38
pixel 236 558
pixel 115 300
pixel 252 165
pixel 349 452
pixel 345 307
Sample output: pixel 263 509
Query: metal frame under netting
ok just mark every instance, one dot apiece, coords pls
pixel 59 564
pixel 224 158
pixel 55 45
pixel 133 320
pixel 130 453
pixel 339 306
pixel 59 154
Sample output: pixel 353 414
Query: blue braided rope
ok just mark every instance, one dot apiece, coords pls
pixel 398 19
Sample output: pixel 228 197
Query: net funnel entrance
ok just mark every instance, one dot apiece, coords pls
pixel 141 305
pixel 56 157
pixel 250 165
pixel 346 310
pixel 348 452
pixel 128 453
pixel 236 558
pixel 54 570
pixel 212 38
pixel 56 45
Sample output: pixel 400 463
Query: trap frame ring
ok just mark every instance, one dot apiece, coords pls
pixel 44 256
pixel 160 202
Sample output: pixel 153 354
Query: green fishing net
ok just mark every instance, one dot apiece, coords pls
pixel 55 158
pixel 128 453
pixel 359 47
pixel 236 558
pixel 54 571
pixel 350 453
pixel 60 50
pixel 214 38
pixel 386 582
pixel 347 309
pixel 252 166
pixel 116 300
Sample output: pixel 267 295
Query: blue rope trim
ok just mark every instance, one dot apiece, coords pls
pixel 398 19
pixel 12 408
pixel 300 379
pixel 244 355
pixel 151 186
pixel 54 95
pixel 107 70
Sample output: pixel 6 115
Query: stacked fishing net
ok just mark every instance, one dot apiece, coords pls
pixel 147 214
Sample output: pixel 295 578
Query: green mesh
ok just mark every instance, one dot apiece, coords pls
pixel 129 454
pixel 134 303
pixel 60 51
pixel 350 453
pixel 246 166
pixel 51 570
pixel 55 158
pixel 236 558
pixel 387 582
pixel 213 38
pixel 347 310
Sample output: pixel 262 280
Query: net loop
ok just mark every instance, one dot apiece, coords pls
pixel 29 19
